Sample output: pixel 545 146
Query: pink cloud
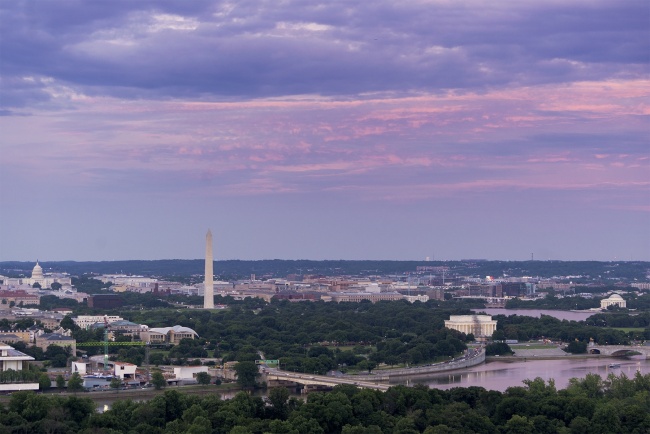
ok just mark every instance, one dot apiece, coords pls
pixel 264 146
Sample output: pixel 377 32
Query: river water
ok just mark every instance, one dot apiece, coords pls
pixel 499 375
pixel 559 314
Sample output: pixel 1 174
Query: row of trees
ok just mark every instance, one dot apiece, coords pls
pixel 551 301
pixel 525 328
pixel 590 405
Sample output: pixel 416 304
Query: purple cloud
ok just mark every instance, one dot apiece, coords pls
pixel 274 117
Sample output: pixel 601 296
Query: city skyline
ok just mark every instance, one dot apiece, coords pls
pixel 308 130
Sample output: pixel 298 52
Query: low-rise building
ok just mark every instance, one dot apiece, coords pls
pixel 46 339
pixel 19 297
pixel 105 301
pixel 123 370
pixel 188 372
pixel 168 335
pixel 21 335
pixel 9 338
pixel 85 321
pixel 12 359
pixel 356 297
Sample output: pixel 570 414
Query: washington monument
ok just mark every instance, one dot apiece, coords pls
pixel 208 284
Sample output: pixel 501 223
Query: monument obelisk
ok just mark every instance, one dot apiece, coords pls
pixel 208 284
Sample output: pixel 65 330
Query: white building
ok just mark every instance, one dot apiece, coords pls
pixel 478 325
pixel 123 370
pixel 44 280
pixel 85 321
pixel 188 372
pixel 124 280
pixel 414 298
pixel 15 360
pixel 613 300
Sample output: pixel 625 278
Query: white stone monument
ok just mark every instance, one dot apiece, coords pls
pixel 208 284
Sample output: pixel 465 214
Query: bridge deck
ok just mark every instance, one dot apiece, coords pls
pixel 322 380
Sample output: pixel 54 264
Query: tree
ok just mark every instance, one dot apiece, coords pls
pixel 278 398
pixel 497 348
pixel 518 425
pixel 115 383
pixel 68 324
pixel 576 347
pixel 75 383
pixel 247 373
pixel 55 286
pixel 158 380
pixel 203 378
pixel 59 361
pixel 44 381
pixel 60 382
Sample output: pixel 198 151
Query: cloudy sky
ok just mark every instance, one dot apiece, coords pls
pixel 325 129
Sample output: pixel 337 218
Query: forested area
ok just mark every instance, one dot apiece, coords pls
pixel 308 337
pixel 619 320
pixel 589 405
pixel 553 302
pixel 634 301
pixel 317 337
pixel 524 328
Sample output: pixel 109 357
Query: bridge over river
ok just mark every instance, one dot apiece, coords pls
pixel 321 380
pixel 380 379
pixel 619 350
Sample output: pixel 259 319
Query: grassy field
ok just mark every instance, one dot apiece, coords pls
pixel 535 346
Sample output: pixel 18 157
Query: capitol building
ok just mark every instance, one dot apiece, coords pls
pixel 45 281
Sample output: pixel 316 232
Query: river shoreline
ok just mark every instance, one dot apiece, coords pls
pixel 137 394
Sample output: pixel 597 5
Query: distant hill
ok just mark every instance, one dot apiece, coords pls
pixel 281 268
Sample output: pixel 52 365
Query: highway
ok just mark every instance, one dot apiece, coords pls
pixel 321 380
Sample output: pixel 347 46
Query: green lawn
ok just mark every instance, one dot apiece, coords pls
pixel 629 329
pixel 535 346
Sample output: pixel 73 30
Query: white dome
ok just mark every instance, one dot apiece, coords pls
pixel 37 272
pixel 615 297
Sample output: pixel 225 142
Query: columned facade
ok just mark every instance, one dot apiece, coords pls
pixel 478 325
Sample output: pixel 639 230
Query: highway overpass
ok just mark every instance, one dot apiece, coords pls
pixel 321 380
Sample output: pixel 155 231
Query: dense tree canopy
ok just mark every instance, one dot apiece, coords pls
pixel 524 328
pixel 308 336
pixel 589 405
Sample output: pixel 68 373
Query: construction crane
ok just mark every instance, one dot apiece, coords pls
pixel 105 343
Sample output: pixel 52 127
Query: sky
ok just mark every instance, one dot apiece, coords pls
pixel 312 129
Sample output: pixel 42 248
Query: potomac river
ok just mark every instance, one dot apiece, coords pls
pixel 559 314
pixel 501 374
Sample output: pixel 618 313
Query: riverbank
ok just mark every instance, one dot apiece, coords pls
pixel 474 358
pixel 552 353
pixel 139 394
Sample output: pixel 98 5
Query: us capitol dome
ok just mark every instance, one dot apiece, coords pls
pixel 44 280
pixel 37 274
